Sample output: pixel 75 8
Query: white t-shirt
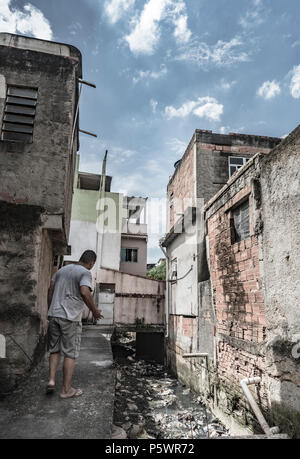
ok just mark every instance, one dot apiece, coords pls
pixel 67 302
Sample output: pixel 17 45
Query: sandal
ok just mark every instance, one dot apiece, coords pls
pixel 77 393
pixel 50 389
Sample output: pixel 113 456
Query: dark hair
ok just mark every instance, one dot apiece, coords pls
pixel 87 257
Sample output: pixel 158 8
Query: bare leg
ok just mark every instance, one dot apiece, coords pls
pixel 69 366
pixel 54 361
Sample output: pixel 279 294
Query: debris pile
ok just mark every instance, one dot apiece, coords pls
pixel 150 403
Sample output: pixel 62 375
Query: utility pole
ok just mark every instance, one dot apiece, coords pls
pixel 100 228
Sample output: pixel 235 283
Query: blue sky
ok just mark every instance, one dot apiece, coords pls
pixel 164 68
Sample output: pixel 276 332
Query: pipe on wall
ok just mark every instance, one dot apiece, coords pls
pixel 263 423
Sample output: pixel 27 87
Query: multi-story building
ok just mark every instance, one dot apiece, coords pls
pixel 215 314
pixel 39 88
pixel 115 230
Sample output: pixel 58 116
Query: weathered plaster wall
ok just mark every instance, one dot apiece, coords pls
pixel 41 172
pixel 23 283
pixel 280 247
pixel 36 183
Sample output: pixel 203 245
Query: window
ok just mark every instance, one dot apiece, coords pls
pixel 174 269
pixel 129 255
pixel 235 163
pixel 240 223
pixel 171 200
pixel 19 114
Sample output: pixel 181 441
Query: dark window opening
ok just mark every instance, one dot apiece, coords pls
pixel 107 288
pixel 92 182
pixel 240 223
pixel 19 114
pixel 129 255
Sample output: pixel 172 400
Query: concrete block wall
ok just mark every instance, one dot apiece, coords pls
pixel 41 173
pixel 25 265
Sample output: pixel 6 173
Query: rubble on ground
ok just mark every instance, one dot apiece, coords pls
pixel 150 403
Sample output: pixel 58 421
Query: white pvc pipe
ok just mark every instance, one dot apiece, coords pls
pixel 263 423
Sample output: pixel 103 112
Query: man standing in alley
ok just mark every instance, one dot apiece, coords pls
pixel 69 289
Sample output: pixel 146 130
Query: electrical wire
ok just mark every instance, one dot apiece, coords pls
pixel 173 281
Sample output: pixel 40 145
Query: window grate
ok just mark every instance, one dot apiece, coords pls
pixel 19 114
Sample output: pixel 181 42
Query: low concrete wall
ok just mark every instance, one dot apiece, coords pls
pixel 138 300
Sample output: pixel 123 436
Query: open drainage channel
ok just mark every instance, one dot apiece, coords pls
pixel 150 403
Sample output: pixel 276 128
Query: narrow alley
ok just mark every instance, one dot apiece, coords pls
pixel 149 221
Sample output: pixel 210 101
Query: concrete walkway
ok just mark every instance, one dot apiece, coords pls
pixel 30 413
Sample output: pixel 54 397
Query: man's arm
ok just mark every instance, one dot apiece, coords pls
pixel 89 301
pixel 50 293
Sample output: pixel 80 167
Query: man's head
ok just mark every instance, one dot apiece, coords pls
pixel 88 259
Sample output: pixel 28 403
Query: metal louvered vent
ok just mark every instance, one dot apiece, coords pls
pixel 19 114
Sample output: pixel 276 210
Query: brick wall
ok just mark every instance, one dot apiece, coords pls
pixel 181 186
pixel 237 294
pixel 182 333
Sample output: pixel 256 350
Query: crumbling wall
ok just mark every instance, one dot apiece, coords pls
pixel 280 246
pixel 237 297
pixel 22 308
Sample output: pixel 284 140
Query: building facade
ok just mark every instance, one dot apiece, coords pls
pixel 38 144
pixel 218 327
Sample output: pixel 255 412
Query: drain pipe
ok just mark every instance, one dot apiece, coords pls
pixel 263 423
pixel 167 288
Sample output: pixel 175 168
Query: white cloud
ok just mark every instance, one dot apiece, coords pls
pixel 226 85
pixel 296 43
pixel 146 31
pixel 115 9
pixel 182 32
pixel 222 54
pixel 295 83
pixel 254 16
pixel 177 146
pixel 31 21
pixel 150 75
pixel 269 90
pixel 154 105
pixel 203 107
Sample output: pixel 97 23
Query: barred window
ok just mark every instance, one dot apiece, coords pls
pixel 19 114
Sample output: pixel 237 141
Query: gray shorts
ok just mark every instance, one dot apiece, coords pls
pixel 64 337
